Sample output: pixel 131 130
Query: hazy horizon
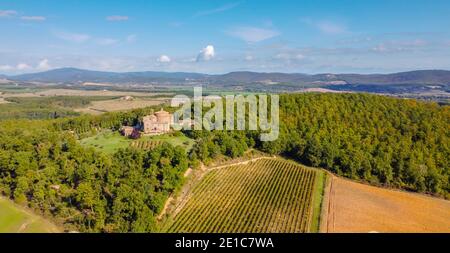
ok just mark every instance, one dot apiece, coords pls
pixel 222 73
pixel 215 37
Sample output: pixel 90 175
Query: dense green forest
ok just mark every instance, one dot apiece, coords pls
pixel 385 141
pixel 43 165
pixel 394 142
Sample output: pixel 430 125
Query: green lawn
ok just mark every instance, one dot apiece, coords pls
pixel 14 219
pixel 109 141
pixel 181 140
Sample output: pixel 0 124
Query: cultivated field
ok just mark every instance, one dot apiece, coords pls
pixel 146 144
pixel 70 92
pixel 15 219
pixel 267 195
pixel 355 207
pixel 98 107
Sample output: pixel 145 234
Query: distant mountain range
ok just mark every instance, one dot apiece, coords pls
pixel 73 75
pixel 435 77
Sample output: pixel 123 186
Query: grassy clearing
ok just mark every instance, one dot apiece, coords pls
pixel 109 142
pixel 319 189
pixel 15 219
pixel 175 140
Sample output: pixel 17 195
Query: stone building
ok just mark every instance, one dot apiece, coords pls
pixel 157 123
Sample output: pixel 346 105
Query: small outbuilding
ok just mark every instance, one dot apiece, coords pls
pixel 126 131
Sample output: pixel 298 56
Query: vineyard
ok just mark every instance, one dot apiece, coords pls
pixel 268 195
pixel 146 144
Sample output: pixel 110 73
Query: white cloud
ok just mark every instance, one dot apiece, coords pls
pixel 131 38
pixel 106 41
pixel 23 66
pixel 163 59
pixel 6 68
pixel 7 13
pixel 206 53
pixel 253 34
pixel 117 18
pixel 223 8
pixel 43 65
pixel 73 37
pixel 33 18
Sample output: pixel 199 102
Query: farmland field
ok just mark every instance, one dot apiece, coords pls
pixel 72 92
pixel 146 144
pixel 98 107
pixel 267 195
pixel 14 219
pixel 356 207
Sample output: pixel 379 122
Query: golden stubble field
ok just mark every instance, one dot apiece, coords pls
pixel 356 207
pixel 98 107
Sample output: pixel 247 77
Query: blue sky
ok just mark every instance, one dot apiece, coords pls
pixel 366 36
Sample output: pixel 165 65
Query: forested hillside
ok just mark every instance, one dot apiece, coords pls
pixel 43 165
pixel 401 143
pixel 393 142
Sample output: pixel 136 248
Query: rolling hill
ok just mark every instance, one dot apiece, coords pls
pixel 74 75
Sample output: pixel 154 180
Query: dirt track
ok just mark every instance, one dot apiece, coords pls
pixel 355 207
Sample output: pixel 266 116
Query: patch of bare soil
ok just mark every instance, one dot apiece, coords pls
pixel 356 207
pixel 3 101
